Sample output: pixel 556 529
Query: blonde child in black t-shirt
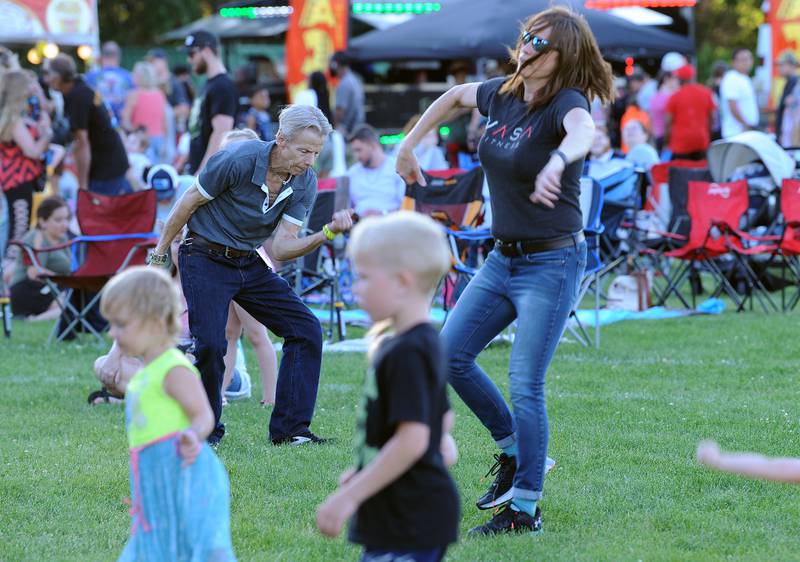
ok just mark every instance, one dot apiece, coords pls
pixel 403 501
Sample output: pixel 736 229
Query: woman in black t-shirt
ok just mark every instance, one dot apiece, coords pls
pixel 539 130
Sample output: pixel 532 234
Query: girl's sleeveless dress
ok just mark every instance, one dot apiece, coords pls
pixel 179 513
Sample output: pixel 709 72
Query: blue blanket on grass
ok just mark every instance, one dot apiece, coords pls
pixel 710 306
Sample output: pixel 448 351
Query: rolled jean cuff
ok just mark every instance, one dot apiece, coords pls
pixel 525 494
pixel 506 441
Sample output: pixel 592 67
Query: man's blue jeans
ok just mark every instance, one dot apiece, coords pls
pixel 539 291
pixel 210 281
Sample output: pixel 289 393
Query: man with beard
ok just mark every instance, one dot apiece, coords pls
pixel 214 109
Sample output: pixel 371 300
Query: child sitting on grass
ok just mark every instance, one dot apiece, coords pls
pixel 180 494
pixel 404 503
pixel 115 369
pixel 786 469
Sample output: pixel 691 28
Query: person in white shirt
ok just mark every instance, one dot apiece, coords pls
pixel 739 108
pixel 428 153
pixel 375 187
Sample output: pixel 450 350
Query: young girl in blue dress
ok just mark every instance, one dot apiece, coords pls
pixel 180 492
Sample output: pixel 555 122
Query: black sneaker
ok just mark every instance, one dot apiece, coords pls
pixel 510 521
pixel 301 439
pixel 500 491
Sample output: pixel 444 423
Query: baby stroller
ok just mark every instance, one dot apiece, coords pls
pixel 755 157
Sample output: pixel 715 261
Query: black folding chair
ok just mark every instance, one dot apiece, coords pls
pixel 318 272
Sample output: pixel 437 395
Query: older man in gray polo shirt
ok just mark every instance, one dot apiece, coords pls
pixel 247 193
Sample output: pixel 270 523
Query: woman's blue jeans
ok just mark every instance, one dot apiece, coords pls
pixel 539 291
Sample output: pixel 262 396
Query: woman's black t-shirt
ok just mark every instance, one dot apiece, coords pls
pixel 513 150
pixel 420 510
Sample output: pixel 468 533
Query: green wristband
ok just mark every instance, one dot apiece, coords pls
pixel 329 234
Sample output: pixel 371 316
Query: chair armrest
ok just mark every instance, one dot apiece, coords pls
pixel 743 235
pixel 31 253
pixel 473 234
pixel 148 243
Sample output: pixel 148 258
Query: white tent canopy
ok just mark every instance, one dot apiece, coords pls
pixel 725 155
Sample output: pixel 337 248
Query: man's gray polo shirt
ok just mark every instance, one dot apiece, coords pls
pixel 238 212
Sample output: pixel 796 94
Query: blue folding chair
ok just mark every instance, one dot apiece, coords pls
pixel 591 202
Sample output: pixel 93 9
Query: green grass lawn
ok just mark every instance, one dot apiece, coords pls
pixel 625 420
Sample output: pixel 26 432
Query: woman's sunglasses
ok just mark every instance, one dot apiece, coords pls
pixel 539 45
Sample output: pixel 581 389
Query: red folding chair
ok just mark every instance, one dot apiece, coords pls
pixel 716 210
pixel 115 234
pixel 658 195
pixel 787 249
pixel 649 244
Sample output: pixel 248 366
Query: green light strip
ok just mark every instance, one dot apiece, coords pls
pixel 391 139
pixel 395 139
pixel 395 7
pixel 256 12
pixel 244 13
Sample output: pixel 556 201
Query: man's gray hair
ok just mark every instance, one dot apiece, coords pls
pixel 294 118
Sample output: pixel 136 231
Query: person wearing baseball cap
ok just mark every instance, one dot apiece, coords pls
pixel 690 111
pixel 214 109
pixel 787 68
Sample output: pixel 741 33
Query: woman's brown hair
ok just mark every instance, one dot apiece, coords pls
pixel 48 206
pixel 580 64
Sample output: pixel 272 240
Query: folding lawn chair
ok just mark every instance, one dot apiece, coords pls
pixel 621 183
pixel 787 244
pixel 314 273
pixel 115 234
pixel 716 210
pixel 455 199
pixel 658 198
pixel 759 159
pixel 648 246
pixel 591 201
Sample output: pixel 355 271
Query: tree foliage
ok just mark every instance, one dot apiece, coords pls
pixel 140 22
pixel 722 25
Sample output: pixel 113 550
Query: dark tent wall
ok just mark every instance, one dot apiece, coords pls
pixel 485 28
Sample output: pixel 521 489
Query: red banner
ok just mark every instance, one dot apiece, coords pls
pixel 611 4
pixel 317 29
pixel 70 22
pixel 784 19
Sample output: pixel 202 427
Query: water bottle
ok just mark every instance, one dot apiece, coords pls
pixel 34 108
pixel 5 312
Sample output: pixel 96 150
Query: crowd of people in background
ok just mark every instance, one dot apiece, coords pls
pixel 119 131
pixel 119 128
pixel 125 131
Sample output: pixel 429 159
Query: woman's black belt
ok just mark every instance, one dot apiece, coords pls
pixel 226 251
pixel 524 247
